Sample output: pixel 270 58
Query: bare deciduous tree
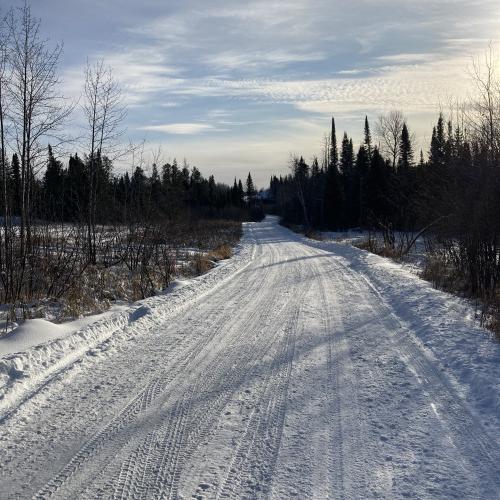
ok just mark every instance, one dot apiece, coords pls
pixel 4 78
pixel 104 112
pixel 326 150
pixel 388 130
pixel 486 102
pixel 36 111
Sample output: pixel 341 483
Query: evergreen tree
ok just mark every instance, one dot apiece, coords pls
pixel 368 139
pixel 157 203
pixel 138 191
pixel 332 209
pixel 250 191
pixel 315 168
pixel 450 149
pixel 54 187
pixel 405 150
pixel 361 174
pixel 211 191
pixel 76 189
pixel 301 169
pixel 16 184
pixel 235 199
pixel 405 182
pixel 185 177
pixel 378 191
pixel 347 156
pixel 334 155
pixel 166 176
pixel 241 193
pixel 437 153
pixel 350 184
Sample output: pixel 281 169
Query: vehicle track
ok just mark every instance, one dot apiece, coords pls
pixel 214 389
pixel 172 446
pixel 142 401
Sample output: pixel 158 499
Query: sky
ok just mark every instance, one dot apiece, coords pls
pixel 239 86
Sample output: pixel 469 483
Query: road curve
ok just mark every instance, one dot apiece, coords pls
pixel 293 379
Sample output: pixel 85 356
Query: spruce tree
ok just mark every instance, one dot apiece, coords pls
pixel 349 182
pixel 332 213
pixel 346 156
pixel 405 150
pixel 334 154
pixel 250 192
pixel 379 208
pixel 156 190
pixel 211 191
pixel 361 174
pixel 368 139
pixel 315 167
pixel 241 193
pixel 422 162
pixel 235 199
pixel 77 185
pixel 53 184
pixel 16 184
pixel 437 152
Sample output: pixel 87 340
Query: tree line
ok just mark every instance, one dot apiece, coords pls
pixel 363 188
pixel 451 193
pixel 63 194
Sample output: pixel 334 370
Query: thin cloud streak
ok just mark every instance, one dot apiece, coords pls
pixel 179 128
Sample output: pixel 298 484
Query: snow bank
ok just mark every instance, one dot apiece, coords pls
pixel 443 325
pixel 38 331
pixel 39 350
pixel 30 333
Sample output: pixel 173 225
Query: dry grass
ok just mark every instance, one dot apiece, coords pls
pixel 222 252
pixel 78 303
pixel 377 247
pixel 441 272
pixel 132 263
pixel 201 264
pixel 313 235
pixel 204 261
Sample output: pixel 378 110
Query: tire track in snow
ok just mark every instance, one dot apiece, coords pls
pixel 142 401
pixel 264 426
pixel 455 417
pixel 351 465
pixel 178 447
pixel 226 380
pixel 221 320
pixel 466 437
pixel 252 466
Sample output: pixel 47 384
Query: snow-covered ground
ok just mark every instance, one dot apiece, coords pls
pixel 414 260
pixel 296 368
pixel 38 331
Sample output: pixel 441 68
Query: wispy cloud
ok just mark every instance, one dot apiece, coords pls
pixel 179 128
pixel 406 58
pixel 252 60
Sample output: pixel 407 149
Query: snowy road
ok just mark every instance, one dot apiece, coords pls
pixel 298 377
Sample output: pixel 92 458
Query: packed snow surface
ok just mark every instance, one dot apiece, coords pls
pixel 295 369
